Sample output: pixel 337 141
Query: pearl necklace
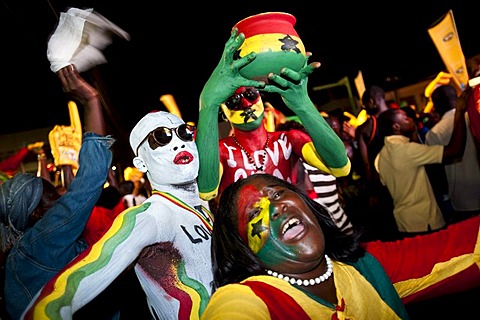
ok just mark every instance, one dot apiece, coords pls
pixel 306 283
pixel 250 158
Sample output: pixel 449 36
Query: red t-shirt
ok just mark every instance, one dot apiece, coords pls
pixel 100 221
pixel 283 151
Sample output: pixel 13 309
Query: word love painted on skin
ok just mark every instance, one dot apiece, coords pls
pixel 198 234
pixel 282 151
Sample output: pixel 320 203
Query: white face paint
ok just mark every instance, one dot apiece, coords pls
pixel 175 163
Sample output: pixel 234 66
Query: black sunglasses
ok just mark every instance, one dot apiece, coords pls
pixel 233 102
pixel 163 135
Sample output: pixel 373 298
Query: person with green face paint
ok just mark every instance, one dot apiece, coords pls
pixel 277 254
pixel 252 149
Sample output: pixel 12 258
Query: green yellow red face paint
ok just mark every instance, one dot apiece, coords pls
pixel 259 231
pixel 255 230
pixel 258 227
pixel 245 116
pixel 247 196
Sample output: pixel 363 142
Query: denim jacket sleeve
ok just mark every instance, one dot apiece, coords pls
pixel 54 240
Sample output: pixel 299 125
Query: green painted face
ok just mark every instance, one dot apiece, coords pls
pixel 278 226
pixel 263 235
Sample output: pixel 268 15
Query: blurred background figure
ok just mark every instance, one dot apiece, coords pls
pixel 142 185
pixel 463 177
pixel 401 167
pixel 130 195
pixel 12 164
pixel 377 216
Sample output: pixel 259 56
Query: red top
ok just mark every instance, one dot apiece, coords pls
pixel 10 165
pixel 100 221
pixel 284 149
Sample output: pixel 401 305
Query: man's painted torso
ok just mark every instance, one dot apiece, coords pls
pixel 176 273
pixel 172 242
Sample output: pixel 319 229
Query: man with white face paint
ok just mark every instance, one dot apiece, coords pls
pixel 167 237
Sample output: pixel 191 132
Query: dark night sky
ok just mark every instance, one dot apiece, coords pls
pixel 173 49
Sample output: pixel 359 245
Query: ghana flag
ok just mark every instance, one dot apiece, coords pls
pixel 273 37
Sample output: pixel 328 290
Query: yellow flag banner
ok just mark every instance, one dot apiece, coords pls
pixel 445 37
pixel 360 84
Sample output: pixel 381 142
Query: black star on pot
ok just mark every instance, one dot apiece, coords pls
pixel 289 44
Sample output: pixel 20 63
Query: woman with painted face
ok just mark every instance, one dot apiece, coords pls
pixel 276 254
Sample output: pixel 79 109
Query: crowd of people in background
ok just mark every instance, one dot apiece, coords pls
pixel 381 189
pixel 206 219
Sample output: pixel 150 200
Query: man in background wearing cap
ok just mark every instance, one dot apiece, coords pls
pixel 39 230
pixel 166 238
